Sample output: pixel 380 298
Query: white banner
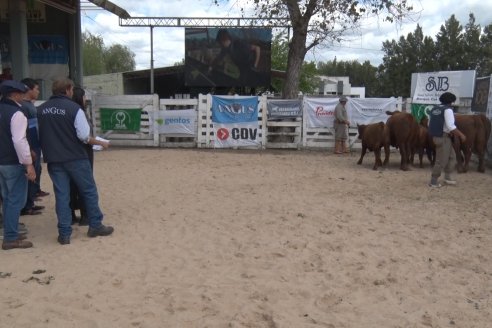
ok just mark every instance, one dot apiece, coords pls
pixel 427 87
pixel 369 110
pixel 231 135
pixel 319 112
pixel 179 121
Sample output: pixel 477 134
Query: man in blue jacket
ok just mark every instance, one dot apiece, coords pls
pixel 15 162
pixel 63 131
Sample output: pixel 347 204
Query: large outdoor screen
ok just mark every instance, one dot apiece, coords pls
pixel 227 57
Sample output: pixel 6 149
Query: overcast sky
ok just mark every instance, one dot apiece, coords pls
pixel 363 45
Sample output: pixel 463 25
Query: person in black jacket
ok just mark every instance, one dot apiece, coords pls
pixel 76 202
pixel 63 133
pixel 15 162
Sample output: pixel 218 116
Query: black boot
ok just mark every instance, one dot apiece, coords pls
pixel 84 220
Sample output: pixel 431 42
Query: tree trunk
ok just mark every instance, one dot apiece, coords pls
pixel 297 52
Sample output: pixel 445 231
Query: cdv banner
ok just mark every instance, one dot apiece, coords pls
pixel 236 135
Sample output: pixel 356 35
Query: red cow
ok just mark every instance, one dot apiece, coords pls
pixel 424 143
pixel 477 129
pixel 402 130
pixel 373 137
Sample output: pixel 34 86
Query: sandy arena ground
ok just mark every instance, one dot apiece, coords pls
pixel 208 238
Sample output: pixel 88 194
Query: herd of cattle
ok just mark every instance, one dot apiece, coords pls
pixel 411 137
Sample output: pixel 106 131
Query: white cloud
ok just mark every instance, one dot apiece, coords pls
pixel 363 45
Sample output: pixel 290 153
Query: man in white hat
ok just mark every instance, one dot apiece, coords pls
pixel 341 124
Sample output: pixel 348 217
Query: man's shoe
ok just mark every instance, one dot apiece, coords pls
pixel 450 182
pixel 6 245
pixel 63 240
pixel 21 236
pixel 101 231
pixel 42 193
pixel 37 208
pixel 435 185
pixel 30 211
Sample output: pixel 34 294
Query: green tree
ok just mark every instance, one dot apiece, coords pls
pixel 485 60
pixel 309 81
pixel 92 54
pixel 450 45
pixel 360 75
pixel 99 59
pixel 118 58
pixel 316 22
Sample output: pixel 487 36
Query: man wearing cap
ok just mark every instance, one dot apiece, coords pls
pixel 16 166
pixel 442 129
pixel 341 124
pixel 63 133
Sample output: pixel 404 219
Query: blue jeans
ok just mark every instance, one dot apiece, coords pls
pixel 80 172
pixel 13 184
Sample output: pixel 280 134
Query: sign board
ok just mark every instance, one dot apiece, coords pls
pixel 426 88
pixel 119 119
pixel 481 95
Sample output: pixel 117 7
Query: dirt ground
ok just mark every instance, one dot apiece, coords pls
pixel 209 238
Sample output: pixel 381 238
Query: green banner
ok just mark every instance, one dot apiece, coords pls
pixel 420 110
pixel 120 119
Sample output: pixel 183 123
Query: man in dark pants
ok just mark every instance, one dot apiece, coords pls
pixel 15 162
pixel 442 128
pixel 32 137
pixel 63 131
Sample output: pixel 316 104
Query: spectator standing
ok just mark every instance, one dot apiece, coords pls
pixel 63 131
pixel 76 202
pixel 32 137
pixel 15 162
pixel 341 124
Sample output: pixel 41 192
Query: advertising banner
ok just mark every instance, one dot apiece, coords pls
pixel 235 109
pixel 283 108
pixel 119 119
pixel 183 121
pixel 369 110
pixel 428 87
pixel 235 121
pixel 419 111
pixel 481 95
pixel 236 135
pixel 319 112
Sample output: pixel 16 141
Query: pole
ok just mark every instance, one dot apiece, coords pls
pixel 152 59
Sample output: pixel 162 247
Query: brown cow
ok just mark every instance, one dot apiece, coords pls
pixel 373 138
pixel 477 129
pixel 402 130
pixel 424 143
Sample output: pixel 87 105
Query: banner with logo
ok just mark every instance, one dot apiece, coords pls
pixel 182 121
pixel 428 87
pixel 119 119
pixel 369 110
pixel 319 112
pixel 235 121
pixel 283 108
pixel 419 111
pixel 481 95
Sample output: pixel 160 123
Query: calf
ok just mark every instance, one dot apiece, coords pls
pixel 373 137
pixel 423 144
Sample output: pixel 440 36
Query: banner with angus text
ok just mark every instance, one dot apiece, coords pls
pixel 235 121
